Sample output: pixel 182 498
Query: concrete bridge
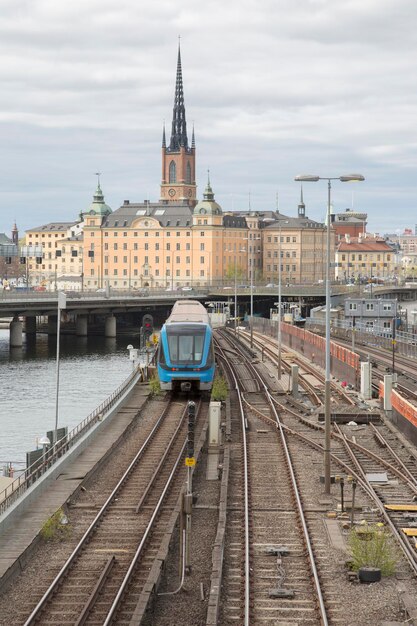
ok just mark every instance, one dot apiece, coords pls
pixel 30 305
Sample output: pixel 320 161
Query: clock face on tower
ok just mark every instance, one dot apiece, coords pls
pixel 172 192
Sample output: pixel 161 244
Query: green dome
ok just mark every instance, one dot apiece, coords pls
pixel 98 206
pixel 208 206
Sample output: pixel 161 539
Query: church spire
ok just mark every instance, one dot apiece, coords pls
pixel 164 142
pixel 179 125
pixel 301 206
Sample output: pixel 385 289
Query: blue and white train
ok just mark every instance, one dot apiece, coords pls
pixel 186 352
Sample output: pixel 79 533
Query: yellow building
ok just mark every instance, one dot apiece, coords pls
pixel 301 243
pixel 365 256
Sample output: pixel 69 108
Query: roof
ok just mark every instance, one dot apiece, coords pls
pixel 52 226
pixel 168 215
pixel 284 221
pixel 366 243
pixel 5 240
pixel 188 311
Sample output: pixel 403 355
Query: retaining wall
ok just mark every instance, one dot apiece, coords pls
pixel 403 415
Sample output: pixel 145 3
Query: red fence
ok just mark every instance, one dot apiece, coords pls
pixel 344 364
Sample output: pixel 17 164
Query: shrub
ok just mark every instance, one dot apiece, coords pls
pixel 219 391
pixel 56 527
pixel 154 386
pixel 372 546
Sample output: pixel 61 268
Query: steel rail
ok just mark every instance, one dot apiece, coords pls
pixel 246 489
pixel 94 524
pixel 306 534
pixel 317 585
pixel 116 602
pixel 305 365
pixel 403 543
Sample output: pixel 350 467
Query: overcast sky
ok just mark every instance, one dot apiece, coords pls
pixel 275 88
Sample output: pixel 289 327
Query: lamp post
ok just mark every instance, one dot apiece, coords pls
pixel 279 302
pixel 327 381
pixel 62 304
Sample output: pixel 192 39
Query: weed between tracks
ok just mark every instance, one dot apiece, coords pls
pixel 56 527
pixel 372 546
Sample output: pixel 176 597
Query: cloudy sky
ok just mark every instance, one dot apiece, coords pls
pixel 274 87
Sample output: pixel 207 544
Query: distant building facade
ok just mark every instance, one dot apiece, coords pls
pixel 365 257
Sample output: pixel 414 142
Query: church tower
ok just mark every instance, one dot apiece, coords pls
pixel 178 159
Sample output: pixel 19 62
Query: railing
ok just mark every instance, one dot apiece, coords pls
pixel 15 489
pixel 11 297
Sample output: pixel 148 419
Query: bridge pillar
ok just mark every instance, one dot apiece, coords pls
pixel 16 333
pixel 52 324
pixel 81 326
pixel 110 326
pixel 30 324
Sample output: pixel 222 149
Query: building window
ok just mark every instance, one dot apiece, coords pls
pixel 146 246
pixel 201 259
pixel 157 246
pixel 115 246
pixel 369 306
pixel 172 172
pixel 125 259
pixel 115 259
pixel 178 246
pixel 157 259
pixel 202 247
pixel 202 233
pixel 168 246
pixel 106 246
pixel 135 246
pixel 125 246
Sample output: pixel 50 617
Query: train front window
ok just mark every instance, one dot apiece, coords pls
pixel 186 344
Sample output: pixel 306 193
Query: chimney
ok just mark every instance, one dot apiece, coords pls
pixel 347 237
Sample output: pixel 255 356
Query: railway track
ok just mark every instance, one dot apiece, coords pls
pixel 270 569
pixel 104 577
pixel 379 452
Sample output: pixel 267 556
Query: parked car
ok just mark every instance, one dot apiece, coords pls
pixel 144 292
pixel 270 285
pixel 186 289
pixel 226 287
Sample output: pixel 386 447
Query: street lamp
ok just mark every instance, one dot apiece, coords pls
pixel 240 250
pixel 133 354
pixel 45 442
pixel 327 382
pixel 279 302
pixel 62 304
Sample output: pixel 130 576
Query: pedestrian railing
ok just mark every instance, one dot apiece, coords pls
pixel 21 484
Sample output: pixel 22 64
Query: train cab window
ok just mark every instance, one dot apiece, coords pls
pixel 186 344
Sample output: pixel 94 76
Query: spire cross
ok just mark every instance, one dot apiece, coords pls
pixel 98 174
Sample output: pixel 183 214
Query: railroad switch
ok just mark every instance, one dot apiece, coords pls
pixel 278 551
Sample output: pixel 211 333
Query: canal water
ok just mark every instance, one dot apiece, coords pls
pixel 91 368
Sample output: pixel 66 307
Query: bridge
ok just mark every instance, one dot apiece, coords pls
pixel 81 305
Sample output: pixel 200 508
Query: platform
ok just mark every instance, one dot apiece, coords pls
pixel 18 541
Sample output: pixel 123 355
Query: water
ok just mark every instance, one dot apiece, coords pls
pixel 91 368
